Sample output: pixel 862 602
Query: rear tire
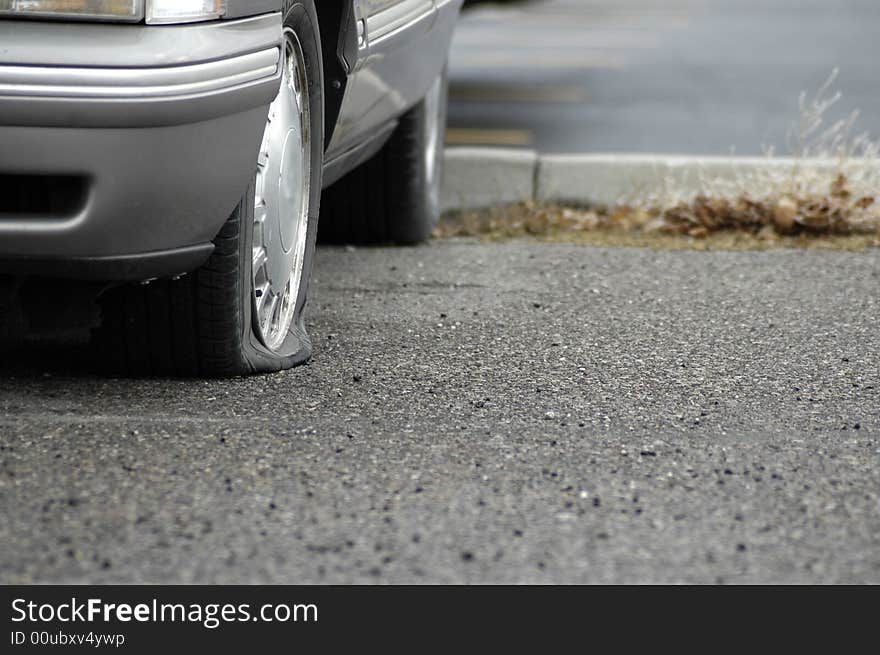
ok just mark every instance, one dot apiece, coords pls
pixel 394 197
pixel 211 323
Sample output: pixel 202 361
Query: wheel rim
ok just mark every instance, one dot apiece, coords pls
pixel 281 209
pixel 433 147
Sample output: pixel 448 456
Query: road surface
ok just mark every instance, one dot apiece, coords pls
pixel 517 412
pixel 668 76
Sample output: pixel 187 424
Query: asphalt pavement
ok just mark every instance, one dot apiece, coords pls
pixel 697 77
pixel 517 412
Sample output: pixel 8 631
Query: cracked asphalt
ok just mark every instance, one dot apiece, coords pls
pixel 480 413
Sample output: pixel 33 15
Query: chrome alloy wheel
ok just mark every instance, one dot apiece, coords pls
pixel 281 210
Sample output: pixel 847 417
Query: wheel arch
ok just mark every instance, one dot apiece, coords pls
pixel 338 33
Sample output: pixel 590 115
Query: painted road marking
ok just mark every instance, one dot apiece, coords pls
pixel 467 136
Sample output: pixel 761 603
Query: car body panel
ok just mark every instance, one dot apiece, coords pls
pixel 242 8
pixel 394 67
pixel 53 43
pixel 163 132
pixel 161 124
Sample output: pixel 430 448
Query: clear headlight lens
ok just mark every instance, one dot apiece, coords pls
pixel 118 10
pixel 156 12
pixel 184 11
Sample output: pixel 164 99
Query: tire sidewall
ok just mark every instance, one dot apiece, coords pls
pixel 300 16
pixel 414 194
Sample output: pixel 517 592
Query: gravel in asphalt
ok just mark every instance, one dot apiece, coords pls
pixel 483 413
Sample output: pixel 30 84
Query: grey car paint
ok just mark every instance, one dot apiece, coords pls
pixel 161 166
pixel 395 65
pixel 161 125
pixel 240 8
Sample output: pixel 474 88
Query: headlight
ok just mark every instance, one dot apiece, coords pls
pixel 120 10
pixel 156 12
pixel 183 11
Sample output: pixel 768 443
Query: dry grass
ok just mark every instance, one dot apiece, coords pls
pixel 810 205
pixel 691 226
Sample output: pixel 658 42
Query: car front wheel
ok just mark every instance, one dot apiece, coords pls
pixel 242 312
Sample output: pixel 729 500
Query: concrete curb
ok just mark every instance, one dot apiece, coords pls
pixel 481 177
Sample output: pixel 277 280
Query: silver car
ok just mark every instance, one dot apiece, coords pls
pixel 172 155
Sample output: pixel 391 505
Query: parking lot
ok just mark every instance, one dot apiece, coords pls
pixel 521 412
pixel 699 77
pixel 514 411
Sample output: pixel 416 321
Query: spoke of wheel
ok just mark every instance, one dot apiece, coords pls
pixel 260 213
pixel 261 293
pixel 260 258
pixel 270 311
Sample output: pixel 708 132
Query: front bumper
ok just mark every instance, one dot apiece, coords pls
pixel 154 132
